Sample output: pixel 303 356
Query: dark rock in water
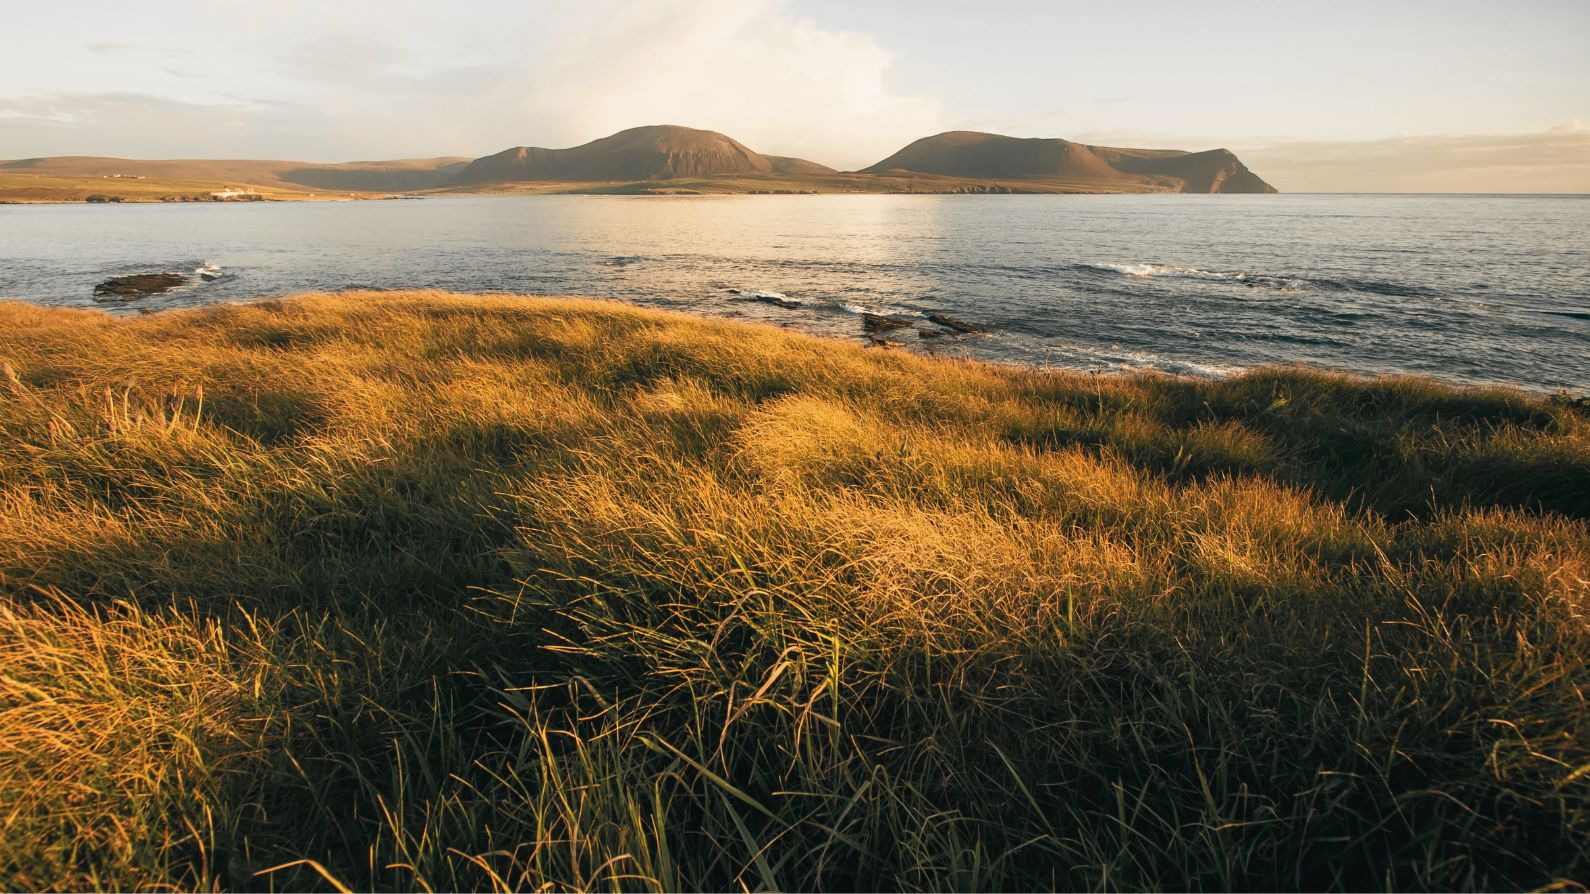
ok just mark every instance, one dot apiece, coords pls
pixel 950 322
pixel 880 323
pixel 137 285
pixel 874 341
pixel 209 277
pixel 922 332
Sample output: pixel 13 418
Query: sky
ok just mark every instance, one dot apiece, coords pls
pixel 1392 95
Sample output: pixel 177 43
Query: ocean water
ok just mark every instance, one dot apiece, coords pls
pixel 1476 289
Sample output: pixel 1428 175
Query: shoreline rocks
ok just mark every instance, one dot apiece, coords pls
pixel 949 322
pixel 871 322
pixel 137 285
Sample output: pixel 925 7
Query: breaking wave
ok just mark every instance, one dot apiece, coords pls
pixel 1280 282
pixel 765 295
pixel 1125 360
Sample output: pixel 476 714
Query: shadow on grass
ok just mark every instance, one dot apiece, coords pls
pixel 462 592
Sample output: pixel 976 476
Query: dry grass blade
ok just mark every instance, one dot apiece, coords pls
pixel 427 591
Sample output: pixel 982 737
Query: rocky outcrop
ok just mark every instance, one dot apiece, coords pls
pixel 138 285
pixel 955 323
pixel 872 323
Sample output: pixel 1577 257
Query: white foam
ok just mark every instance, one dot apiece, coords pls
pixel 1188 368
pixel 768 295
pixel 859 309
pixel 1149 270
pixel 1120 359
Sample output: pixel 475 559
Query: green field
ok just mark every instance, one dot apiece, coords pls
pixel 429 591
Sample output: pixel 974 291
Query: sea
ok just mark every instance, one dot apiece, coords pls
pixel 1467 289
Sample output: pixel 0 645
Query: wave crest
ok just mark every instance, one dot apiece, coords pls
pixel 1279 282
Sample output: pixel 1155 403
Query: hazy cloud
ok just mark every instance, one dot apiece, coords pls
pixel 1557 160
pixel 375 78
pixel 781 84
pixel 138 125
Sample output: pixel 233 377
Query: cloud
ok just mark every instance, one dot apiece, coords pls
pixel 139 125
pixel 781 84
pixel 362 62
pixel 1556 160
pixel 1553 161
pixel 386 78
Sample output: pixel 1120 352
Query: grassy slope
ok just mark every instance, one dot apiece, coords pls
pixel 72 178
pixel 844 182
pixel 28 189
pixel 462 592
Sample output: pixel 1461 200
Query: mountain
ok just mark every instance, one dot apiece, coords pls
pixel 965 153
pixel 659 159
pixel 657 152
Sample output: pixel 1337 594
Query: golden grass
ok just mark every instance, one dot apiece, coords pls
pixel 28 189
pixel 429 591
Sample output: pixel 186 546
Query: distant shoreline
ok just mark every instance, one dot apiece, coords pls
pixel 80 191
pixel 665 191
pixel 650 160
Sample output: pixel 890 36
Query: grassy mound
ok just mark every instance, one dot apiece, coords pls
pixel 425 590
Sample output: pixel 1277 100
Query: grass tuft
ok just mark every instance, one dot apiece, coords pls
pixel 430 591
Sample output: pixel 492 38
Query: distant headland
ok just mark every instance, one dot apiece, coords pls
pixel 651 160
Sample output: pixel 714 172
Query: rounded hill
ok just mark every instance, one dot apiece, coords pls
pixel 964 153
pixel 656 152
